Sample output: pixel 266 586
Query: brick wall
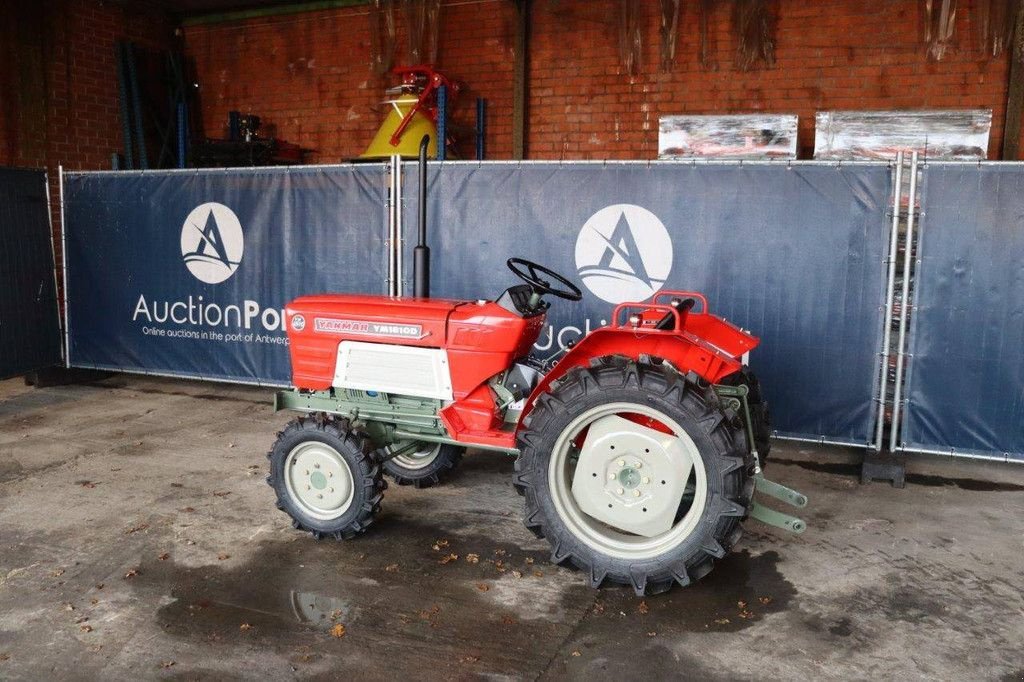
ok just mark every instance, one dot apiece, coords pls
pixel 308 76
pixel 58 81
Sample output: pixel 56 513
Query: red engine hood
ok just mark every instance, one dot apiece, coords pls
pixel 409 321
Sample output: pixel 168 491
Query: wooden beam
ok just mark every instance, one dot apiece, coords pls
pixel 1015 94
pixel 519 75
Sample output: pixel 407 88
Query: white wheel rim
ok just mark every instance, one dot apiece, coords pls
pixel 421 458
pixel 319 480
pixel 600 536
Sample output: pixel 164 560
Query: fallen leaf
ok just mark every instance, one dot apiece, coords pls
pixel 449 558
pixel 190 542
pixel 131 574
pixel 598 607
pixel 468 659
pixel 231 445
pixel 221 493
pixel 94 601
pixel 746 614
pixel 338 631
pixel 539 574
pixel 483 587
pixel 85 628
pixel 391 568
pixel 58 572
pixel 177 485
pixel 473 558
pixel 87 484
pixel 5 657
pixel 245 627
pixel 722 621
pixel 500 565
pixel 577 653
pixel 517 574
pixel 69 607
pixel 643 608
pixel 335 614
pixel 136 529
pixel 765 600
pixel 499 552
pixel 95 648
pixel 164 557
pixel 528 560
pixel 223 557
pixel 741 604
pixel 81 619
pixel 508 620
pixel 439 545
pixel 100 586
pixel 187 510
pixel 652 633
pixel 166 664
pixel 138 443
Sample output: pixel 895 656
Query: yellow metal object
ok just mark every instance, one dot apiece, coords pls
pixel 409 144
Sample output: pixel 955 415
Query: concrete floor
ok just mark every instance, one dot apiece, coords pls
pixel 138 540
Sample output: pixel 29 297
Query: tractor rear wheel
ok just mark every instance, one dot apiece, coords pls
pixel 428 465
pixel 325 477
pixel 635 474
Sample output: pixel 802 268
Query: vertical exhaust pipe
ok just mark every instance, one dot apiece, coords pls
pixel 421 254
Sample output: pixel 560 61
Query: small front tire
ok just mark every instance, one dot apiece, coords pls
pixel 325 477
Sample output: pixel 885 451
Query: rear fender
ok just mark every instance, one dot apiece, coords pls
pixel 687 351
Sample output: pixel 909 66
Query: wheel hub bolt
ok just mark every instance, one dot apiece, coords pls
pixel 621 462
pixel 620 491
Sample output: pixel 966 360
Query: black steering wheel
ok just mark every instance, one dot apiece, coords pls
pixel 530 272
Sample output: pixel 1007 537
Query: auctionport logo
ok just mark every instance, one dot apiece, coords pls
pixel 212 242
pixel 624 253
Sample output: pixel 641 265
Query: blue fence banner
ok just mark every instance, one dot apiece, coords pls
pixel 965 369
pixel 795 253
pixel 186 273
pixel 29 322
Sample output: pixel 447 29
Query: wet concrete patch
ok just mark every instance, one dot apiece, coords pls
pixel 622 631
pixel 741 590
pixel 427 593
pixel 929 480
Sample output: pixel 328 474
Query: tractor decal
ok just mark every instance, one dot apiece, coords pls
pixel 326 325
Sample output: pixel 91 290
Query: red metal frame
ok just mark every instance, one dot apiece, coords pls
pixel 434 80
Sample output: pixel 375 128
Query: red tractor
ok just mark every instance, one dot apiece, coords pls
pixel 638 450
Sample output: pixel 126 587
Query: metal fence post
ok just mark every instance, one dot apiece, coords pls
pixel 897 192
pixel 908 257
pixel 394 167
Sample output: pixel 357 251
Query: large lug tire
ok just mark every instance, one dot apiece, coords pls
pixel 707 516
pixel 760 415
pixel 428 465
pixel 325 477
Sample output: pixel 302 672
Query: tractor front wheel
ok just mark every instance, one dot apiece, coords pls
pixel 424 466
pixel 325 477
pixel 635 474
